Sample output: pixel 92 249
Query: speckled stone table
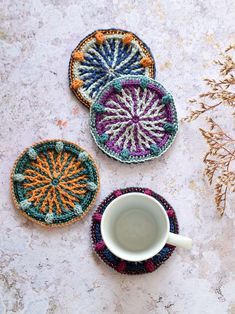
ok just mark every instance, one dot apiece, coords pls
pixel 55 271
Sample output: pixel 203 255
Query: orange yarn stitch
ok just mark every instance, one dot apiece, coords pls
pixel 84 45
pixel 146 62
pixel 100 38
pixel 42 183
pixel 78 55
pixel 41 195
pixel 77 84
pixel 127 39
pixel 42 165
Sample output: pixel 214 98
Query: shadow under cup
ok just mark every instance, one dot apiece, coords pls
pixel 135 227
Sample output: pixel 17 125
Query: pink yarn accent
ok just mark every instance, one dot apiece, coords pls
pixel 149 266
pixel 100 246
pixel 170 213
pixel 118 193
pixel 148 191
pixel 97 217
pixel 121 266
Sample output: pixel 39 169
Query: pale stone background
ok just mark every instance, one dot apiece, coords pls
pixel 55 271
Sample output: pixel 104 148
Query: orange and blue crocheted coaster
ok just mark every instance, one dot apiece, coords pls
pixel 103 56
pixel 126 267
pixel 54 182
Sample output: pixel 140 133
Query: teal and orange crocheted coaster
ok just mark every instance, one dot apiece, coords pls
pixel 126 267
pixel 103 56
pixel 133 119
pixel 54 183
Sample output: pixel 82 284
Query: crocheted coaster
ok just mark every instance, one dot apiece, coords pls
pixel 104 55
pixel 133 119
pixel 54 183
pixel 126 267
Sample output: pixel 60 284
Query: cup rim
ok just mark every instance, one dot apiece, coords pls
pixel 108 243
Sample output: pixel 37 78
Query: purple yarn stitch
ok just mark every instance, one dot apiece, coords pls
pixel 133 119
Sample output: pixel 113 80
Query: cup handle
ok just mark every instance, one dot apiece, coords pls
pixel 179 240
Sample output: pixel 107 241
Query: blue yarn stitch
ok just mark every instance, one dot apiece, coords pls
pixel 102 64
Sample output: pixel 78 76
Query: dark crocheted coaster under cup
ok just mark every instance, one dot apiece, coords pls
pixel 104 55
pixel 126 267
pixel 54 183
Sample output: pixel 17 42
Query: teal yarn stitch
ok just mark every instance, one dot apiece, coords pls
pixel 59 146
pixel 99 108
pixel 154 150
pixel 91 186
pixel 166 99
pixel 32 153
pixel 125 153
pixel 169 127
pixel 144 82
pixel 103 138
pixel 59 179
pixel 49 218
pixel 117 85
pixel 78 209
pixel 18 177
pixel 25 204
pixel 134 120
pixel 83 156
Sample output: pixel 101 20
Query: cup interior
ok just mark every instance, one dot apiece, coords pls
pixel 134 227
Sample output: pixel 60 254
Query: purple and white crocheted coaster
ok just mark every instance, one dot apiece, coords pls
pixel 133 119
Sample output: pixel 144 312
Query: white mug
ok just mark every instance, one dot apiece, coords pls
pixel 135 227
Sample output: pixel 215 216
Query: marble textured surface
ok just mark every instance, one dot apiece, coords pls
pixel 55 271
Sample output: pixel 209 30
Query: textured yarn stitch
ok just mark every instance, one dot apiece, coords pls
pixel 54 182
pixel 126 267
pixel 103 56
pixel 131 123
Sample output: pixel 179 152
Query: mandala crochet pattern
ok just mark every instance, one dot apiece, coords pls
pixel 134 119
pixel 54 182
pixel 125 267
pixel 103 56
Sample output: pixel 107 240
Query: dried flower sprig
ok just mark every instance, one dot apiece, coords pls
pixel 221 91
pixel 218 161
pixel 221 152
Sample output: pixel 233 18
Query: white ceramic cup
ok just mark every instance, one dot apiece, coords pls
pixel 135 227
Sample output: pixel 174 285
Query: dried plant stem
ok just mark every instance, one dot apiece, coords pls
pixel 221 145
